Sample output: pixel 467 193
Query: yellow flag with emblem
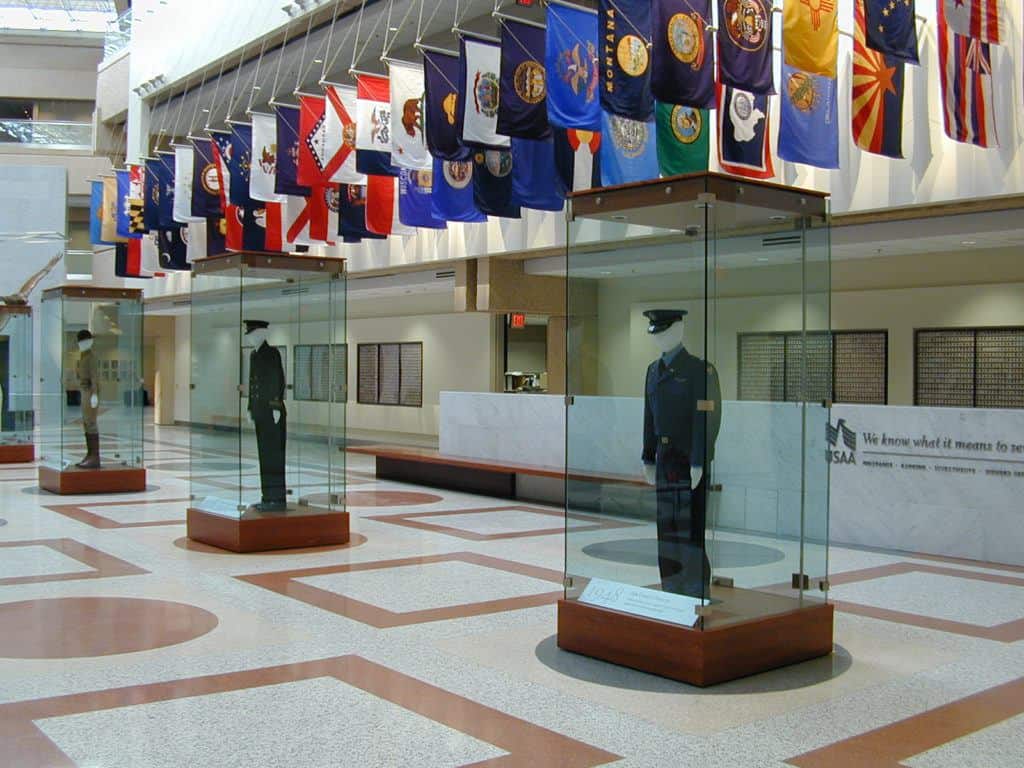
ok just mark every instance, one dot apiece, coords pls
pixel 810 35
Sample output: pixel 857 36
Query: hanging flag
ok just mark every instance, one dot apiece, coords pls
pixel 810 35
pixel 323 153
pixel 173 250
pixel 577 160
pixel 269 218
pixel 296 216
pixel 216 230
pixel 220 144
pixel 965 79
pixel 984 20
pixel 809 119
pixel 244 231
pixel 408 144
pixel 124 227
pixel 629 151
pixel 877 109
pixel 108 222
pixel 532 164
pixel 184 160
pixel 415 193
pixel 492 183
pixel 625 30
pixel 522 109
pixel 286 176
pixel 682 53
pixel 382 215
pixel 744 145
pixel 195 237
pixel 479 90
pixel 892 28
pixel 205 181
pixel 341 132
pixel 574 74
pixel 96 222
pixel 373 125
pixel 441 105
pixel 352 221
pixel 453 192
pixel 263 167
pixel 149 261
pixel 151 188
pixel 745 45
pixel 167 183
pixel 137 199
pixel 239 165
pixel 683 139
pixel 128 259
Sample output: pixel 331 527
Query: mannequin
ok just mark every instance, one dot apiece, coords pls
pixel 678 450
pixel 267 411
pixel 88 385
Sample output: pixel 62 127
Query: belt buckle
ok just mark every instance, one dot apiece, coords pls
pixel 664 441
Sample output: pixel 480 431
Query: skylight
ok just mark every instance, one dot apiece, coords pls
pixel 57 15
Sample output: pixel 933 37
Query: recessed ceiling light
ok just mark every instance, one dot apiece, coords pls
pixel 968 242
pixel 618 217
pixel 762 258
pixel 778 217
pixel 605 272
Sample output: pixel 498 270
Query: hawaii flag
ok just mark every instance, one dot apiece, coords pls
pixel 408 141
pixel 263 168
pixel 983 20
pixel 373 125
pixel 341 130
pixel 877 110
pixel 479 89
pixel 744 146
pixel 965 76
pixel 382 215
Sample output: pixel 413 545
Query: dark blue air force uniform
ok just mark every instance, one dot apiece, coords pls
pixel 266 394
pixel 676 437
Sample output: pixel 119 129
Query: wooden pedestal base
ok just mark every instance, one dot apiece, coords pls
pixel 698 657
pixel 262 532
pixel 73 481
pixel 17 454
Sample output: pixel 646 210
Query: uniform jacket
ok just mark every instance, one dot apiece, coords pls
pixel 671 417
pixel 266 380
pixel 86 372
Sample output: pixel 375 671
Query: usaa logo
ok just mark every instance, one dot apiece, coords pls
pixel 845 453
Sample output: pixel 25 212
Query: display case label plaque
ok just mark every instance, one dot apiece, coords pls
pixel 640 601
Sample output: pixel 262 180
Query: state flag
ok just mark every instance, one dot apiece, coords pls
pixel 415 204
pixel 196 240
pixel 453 192
pixel 492 183
pixel 136 201
pixel 184 160
pixel 206 188
pixel 629 151
pixel 573 69
pixel 745 45
pixel 682 53
pixel 173 250
pixel 876 112
pixel 341 130
pixel 984 20
pixel 215 237
pixel 244 232
pixel 124 219
pixel 625 49
pixel 128 258
pixel 441 105
pixel 744 144
pixel 965 79
pixel 220 144
pixel 296 217
pixel 96 214
pixel 263 167
pixel 683 139
pixel 149 262
pixel 108 220
pixel 240 166
pixel 577 160
pixel 167 181
pixel 532 163
pixel 382 215
pixel 151 190
pixel 891 27
pixel 479 93
pixel 323 152
pixel 408 142
pixel 810 36
pixel 373 125
pixel 809 119
pixel 286 176
pixel 270 217
pixel 522 109
pixel 352 220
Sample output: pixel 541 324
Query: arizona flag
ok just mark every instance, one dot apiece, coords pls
pixel 408 141
pixel 877 109
pixel 983 20
pixel 965 76
pixel 341 132
pixel 810 36
pixel 744 146
pixel 373 125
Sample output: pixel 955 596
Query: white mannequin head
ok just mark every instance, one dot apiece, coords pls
pixel 671 337
pixel 85 345
pixel 666 328
pixel 256 337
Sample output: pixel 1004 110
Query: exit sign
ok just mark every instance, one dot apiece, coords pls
pixel 517 320
pixel 525 3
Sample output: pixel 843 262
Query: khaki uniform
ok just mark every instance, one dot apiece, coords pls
pixel 88 384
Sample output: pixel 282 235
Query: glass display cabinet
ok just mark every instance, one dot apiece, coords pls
pixel 699 379
pixel 269 382
pixel 91 391
pixel 17 417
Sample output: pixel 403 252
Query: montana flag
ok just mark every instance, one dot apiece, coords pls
pixel 744 145
pixel 808 120
pixel 96 215
pixel 965 77
pixel 239 165
pixel 373 125
pixel 206 188
pixel 532 164
pixel 263 167
pixel 352 220
pixel 876 113
pixel 492 183
pixel 286 176
pixel 184 160
pixel 341 131
pixel 151 190
pixel 624 27
pixel 577 160
pixel 167 190
pixel 892 28
pixel 745 45
pixel 629 151
pixel 382 215
pixel 415 207
pixel 479 92
pixel 984 20
pixel 441 105
pixel 573 69
pixel 108 219
pixel 124 229
pixel 522 109
pixel 408 142
pixel 683 139
pixel 453 192
pixel 810 36
pixel 173 251
pixel 682 53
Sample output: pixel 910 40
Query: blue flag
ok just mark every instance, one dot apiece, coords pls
pixel 205 181
pixel 745 44
pixel 492 183
pixel 522 110
pixel 239 163
pixel 96 215
pixel 415 206
pixel 173 250
pixel 352 215
pixel 124 218
pixel 532 165
pixel 453 192
pixel 808 122
pixel 891 28
pixel 573 70
pixel 441 105
pixel 286 177
pixel 629 151
pixel 216 230
pixel 744 144
pixel 151 190
pixel 682 55
pixel 625 29
pixel 166 175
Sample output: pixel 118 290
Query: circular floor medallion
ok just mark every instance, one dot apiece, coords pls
pixel 355 540
pixel 389 498
pixel 723 554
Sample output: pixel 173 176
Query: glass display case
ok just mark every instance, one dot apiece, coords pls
pixel 17 417
pixel 269 370
pixel 91 406
pixel 706 456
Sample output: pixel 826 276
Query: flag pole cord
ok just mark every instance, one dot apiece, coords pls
pixel 280 61
pixel 302 58
pixel 502 17
pixel 328 66
pixel 195 112
pixel 389 44
pixel 471 33
pixel 256 78
pixel 440 71
pixel 434 49
pixel 357 52
pixel 234 88
pixel 213 101
pixel 574 6
pixel 330 39
pixel 615 7
pixel 181 110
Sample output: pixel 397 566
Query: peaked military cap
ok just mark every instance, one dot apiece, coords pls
pixel 252 325
pixel 84 334
pixel 662 319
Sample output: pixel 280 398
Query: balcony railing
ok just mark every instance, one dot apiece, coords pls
pixel 50 135
pixel 118 35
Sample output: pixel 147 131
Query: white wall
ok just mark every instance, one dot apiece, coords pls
pixel 54 68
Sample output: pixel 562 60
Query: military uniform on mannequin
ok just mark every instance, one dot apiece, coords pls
pixel 679 446
pixel 88 385
pixel 266 408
